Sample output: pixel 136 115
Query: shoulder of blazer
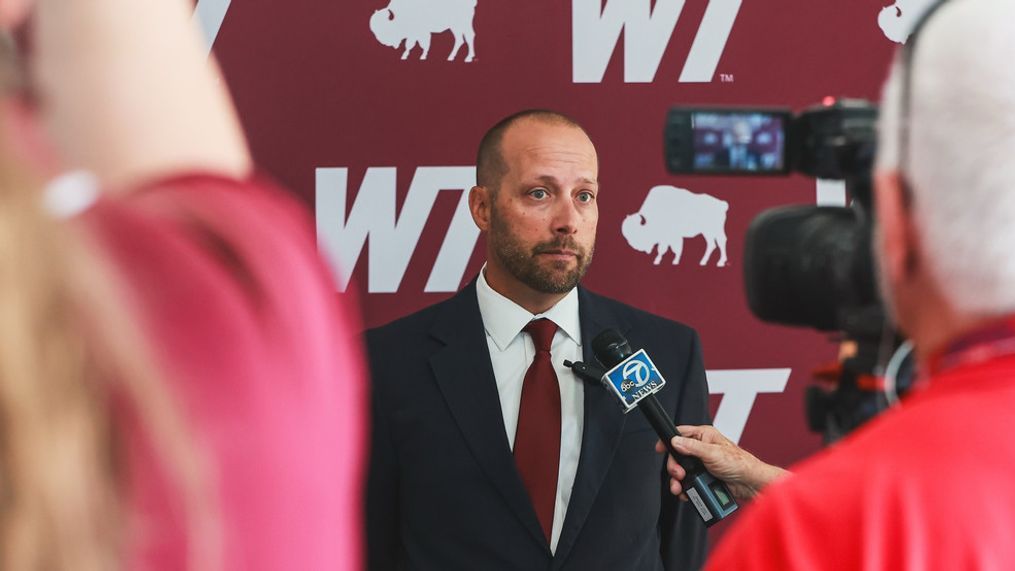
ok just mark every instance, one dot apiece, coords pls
pixel 633 317
pixel 428 321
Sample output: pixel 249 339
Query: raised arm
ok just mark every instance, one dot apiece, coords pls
pixel 127 92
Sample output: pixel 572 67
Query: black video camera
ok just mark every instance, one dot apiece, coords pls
pixel 803 265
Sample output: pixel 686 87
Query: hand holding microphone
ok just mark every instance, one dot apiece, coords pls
pixel 739 469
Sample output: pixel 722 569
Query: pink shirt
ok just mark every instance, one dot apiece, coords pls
pixel 264 362
pixel 927 486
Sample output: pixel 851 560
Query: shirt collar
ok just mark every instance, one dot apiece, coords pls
pixel 504 319
pixel 986 342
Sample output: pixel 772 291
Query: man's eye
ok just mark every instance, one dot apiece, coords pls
pixel 538 194
pixel 585 196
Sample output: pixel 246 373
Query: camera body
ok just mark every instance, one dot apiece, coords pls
pixel 809 266
pixel 803 265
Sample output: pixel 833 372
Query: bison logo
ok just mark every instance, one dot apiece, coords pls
pixel 897 20
pixel 670 214
pixel 414 21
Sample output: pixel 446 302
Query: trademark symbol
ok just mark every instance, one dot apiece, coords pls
pixel 726 77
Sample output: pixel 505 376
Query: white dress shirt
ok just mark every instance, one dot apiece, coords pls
pixel 511 354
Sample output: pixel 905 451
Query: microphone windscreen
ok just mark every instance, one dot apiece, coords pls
pixel 610 347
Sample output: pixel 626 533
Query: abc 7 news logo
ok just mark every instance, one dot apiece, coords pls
pixel 636 374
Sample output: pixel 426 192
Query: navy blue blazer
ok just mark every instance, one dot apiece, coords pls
pixel 443 492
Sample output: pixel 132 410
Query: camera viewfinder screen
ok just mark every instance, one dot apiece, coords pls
pixel 738 142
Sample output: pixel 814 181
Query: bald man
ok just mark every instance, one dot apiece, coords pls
pixel 488 453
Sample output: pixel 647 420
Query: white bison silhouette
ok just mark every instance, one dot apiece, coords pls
pixel 897 20
pixel 670 214
pixel 413 21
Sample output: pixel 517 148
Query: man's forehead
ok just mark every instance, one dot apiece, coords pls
pixel 553 179
pixel 531 132
pixel 547 166
pixel 555 152
pixel 544 141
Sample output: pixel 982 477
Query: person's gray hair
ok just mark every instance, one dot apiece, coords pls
pixel 960 163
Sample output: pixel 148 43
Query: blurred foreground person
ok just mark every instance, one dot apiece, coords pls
pixel 178 389
pixel 928 484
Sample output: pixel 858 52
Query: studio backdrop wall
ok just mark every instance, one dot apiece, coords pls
pixel 370 113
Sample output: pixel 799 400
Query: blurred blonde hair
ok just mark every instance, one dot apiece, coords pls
pixel 68 349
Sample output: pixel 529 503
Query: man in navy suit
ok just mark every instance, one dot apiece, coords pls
pixel 487 452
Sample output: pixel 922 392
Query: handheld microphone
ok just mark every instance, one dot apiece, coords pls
pixel 634 380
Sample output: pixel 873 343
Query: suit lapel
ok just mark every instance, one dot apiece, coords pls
pixel 604 422
pixel 465 377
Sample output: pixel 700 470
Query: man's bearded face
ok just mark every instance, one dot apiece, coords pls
pixel 553 266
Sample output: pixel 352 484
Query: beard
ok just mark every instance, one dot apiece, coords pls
pixel 522 262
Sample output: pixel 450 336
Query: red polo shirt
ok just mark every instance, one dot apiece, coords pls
pixel 241 315
pixel 926 486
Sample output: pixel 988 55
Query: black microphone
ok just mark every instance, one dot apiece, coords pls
pixel 634 380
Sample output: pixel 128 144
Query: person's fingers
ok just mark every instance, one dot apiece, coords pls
pixel 675 488
pixel 691 431
pixel 705 433
pixel 693 447
pixel 674 469
pixel 714 436
pixel 660 447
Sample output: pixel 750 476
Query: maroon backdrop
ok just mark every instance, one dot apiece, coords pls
pixel 317 90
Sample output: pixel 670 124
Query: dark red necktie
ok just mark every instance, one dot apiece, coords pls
pixel 537 439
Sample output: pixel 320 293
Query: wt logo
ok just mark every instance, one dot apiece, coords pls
pixel 341 235
pixel 739 388
pixel 208 15
pixel 596 31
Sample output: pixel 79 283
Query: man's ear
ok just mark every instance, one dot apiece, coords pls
pixel 480 204
pixel 898 242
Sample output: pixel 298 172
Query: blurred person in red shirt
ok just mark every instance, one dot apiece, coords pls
pixel 927 485
pixel 178 386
